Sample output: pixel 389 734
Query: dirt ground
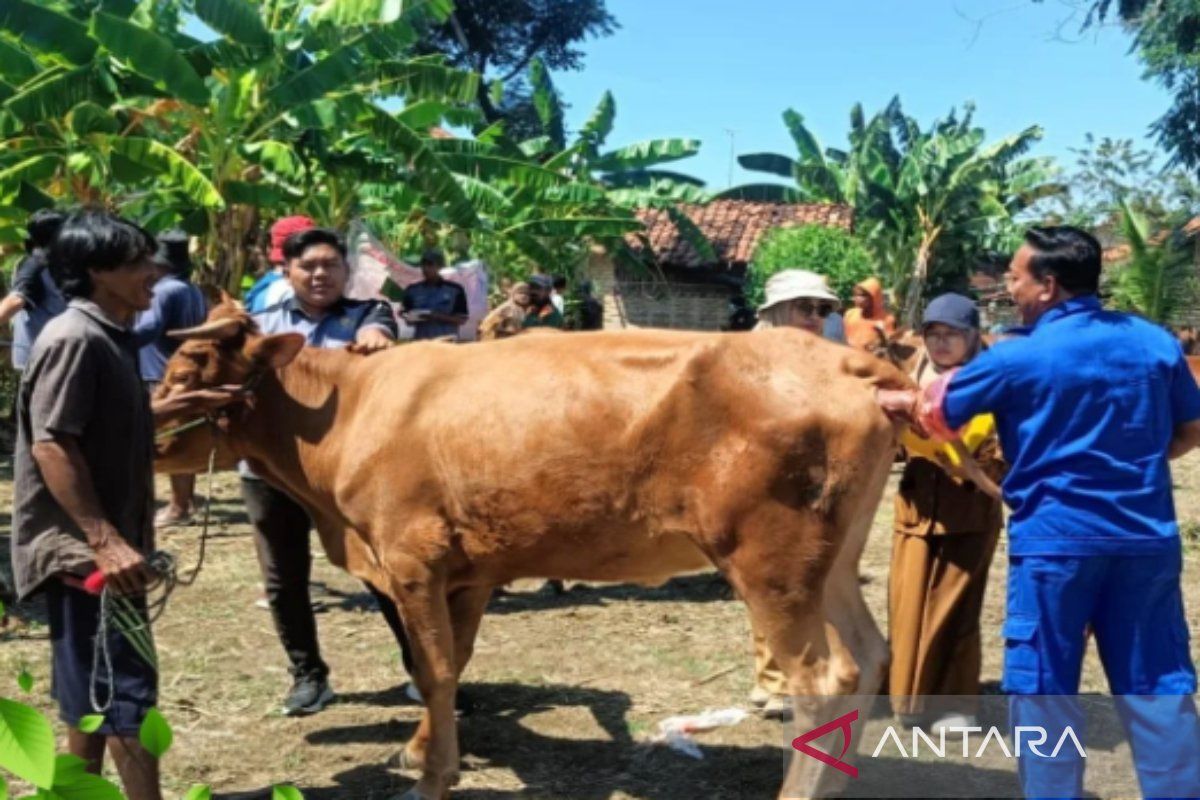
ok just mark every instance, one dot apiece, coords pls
pixel 567 689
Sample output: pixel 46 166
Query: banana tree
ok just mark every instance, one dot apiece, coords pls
pixel 1159 278
pixel 251 112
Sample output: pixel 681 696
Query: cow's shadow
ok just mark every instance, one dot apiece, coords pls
pixel 707 587
pixel 500 734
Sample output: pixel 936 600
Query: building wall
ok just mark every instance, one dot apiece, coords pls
pixel 658 303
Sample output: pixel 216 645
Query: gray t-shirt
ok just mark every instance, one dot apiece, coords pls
pixel 82 381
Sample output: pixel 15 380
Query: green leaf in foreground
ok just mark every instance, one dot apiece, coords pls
pixel 25 681
pixel 155 734
pixel 198 793
pixel 91 723
pixel 286 793
pixel 26 743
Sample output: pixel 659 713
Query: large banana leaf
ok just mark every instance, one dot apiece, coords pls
pixel 34 169
pixel 430 175
pixel 576 227
pixel 51 98
pixel 238 20
pixel 16 66
pixel 151 56
pixel 47 30
pixel 168 164
pixel 763 193
pixel 421 79
pixel 807 144
pixel 652 177
pixel 492 167
pixel 773 163
pixel 646 154
pixel 693 235
pixel 600 124
pixel 486 198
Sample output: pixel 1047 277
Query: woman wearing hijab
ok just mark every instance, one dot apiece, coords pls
pixel 946 528
pixel 869 316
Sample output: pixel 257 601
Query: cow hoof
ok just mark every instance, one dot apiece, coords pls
pixel 404 760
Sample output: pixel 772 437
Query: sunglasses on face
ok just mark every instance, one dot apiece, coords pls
pixel 808 308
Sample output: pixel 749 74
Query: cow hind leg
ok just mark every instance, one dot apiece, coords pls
pixel 421 597
pixel 829 655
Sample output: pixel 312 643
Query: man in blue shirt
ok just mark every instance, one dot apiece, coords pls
pixel 435 307
pixel 1089 405
pixel 177 304
pixel 34 298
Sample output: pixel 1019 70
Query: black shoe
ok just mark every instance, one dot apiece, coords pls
pixel 308 696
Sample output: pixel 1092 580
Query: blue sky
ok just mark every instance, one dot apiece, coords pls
pixel 697 68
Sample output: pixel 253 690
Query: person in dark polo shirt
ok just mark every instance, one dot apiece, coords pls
pixel 317 308
pixel 83 494
pixel 34 299
pixel 435 307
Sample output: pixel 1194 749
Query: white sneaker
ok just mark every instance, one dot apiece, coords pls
pixel 413 693
pixel 956 721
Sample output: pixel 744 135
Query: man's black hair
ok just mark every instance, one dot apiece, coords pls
pixel 560 283
pixel 1069 254
pixel 43 226
pixel 97 241
pixel 295 245
pixel 433 257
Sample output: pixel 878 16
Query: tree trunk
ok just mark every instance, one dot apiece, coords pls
pixel 916 285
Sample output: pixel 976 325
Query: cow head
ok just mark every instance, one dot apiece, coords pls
pixel 227 350
pixel 901 348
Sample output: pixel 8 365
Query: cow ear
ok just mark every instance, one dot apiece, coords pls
pixel 214 331
pixel 275 351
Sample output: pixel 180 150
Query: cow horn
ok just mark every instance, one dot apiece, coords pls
pixel 216 330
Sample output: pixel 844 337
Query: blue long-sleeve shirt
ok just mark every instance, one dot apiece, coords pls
pixel 177 304
pixel 1086 404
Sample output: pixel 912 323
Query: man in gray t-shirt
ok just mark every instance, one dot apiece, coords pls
pixel 83 485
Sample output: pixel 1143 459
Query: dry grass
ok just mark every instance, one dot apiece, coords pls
pixel 567 688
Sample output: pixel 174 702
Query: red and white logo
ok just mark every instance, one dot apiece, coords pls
pixel 843 724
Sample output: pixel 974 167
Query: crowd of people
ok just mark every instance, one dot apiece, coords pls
pixel 1076 415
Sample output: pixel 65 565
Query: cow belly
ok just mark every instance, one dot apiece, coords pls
pixel 628 555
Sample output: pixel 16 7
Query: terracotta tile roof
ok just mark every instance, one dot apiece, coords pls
pixel 733 226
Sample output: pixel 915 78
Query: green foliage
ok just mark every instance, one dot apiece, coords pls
pixel 25 681
pixel 1159 278
pixel 26 744
pixel 156 734
pixel 1167 42
pixel 927 201
pixel 831 252
pixel 90 723
pixel 1109 172
pixel 286 793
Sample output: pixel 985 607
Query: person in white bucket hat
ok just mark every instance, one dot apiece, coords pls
pixel 797 298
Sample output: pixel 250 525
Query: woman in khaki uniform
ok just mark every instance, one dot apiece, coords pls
pixel 946 529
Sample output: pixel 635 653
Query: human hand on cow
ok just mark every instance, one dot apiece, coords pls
pixel 899 404
pixel 197 401
pixel 370 340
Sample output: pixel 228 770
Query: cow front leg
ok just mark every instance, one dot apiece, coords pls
pixel 421 597
pixel 466 613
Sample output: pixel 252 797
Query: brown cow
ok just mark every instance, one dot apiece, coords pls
pixel 435 476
